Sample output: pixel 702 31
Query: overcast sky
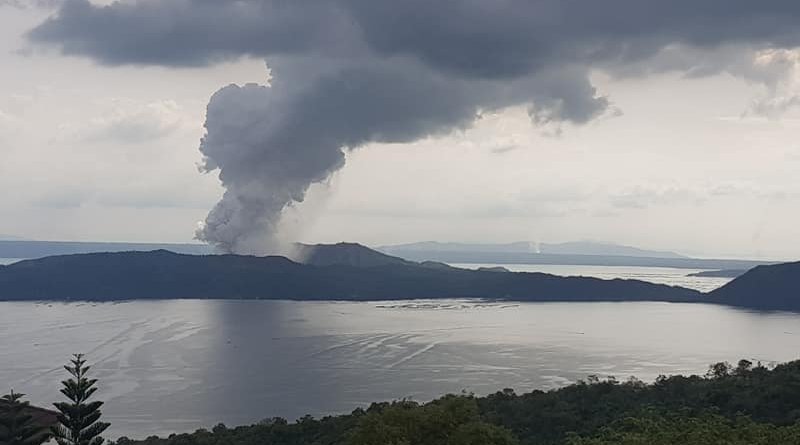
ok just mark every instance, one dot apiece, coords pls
pixel 678 138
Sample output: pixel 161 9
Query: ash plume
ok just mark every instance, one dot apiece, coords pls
pixel 347 73
pixel 270 143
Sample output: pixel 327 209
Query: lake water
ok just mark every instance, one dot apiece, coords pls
pixel 661 275
pixel 173 366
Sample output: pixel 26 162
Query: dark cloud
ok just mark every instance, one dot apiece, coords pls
pixel 504 38
pixel 350 72
pixel 194 32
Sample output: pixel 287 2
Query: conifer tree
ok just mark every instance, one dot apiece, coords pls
pixel 16 423
pixel 79 418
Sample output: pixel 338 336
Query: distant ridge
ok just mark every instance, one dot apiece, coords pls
pixel 567 248
pixel 4 237
pixel 16 248
pixel 358 255
pixel 594 254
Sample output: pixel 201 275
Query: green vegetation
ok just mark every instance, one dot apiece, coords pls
pixel 450 420
pixel 731 405
pixel 17 425
pixel 79 419
pixel 745 404
pixel 703 430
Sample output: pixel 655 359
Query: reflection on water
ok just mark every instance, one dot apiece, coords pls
pixel 170 366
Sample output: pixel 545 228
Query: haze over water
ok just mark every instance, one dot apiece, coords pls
pixel 172 366
pixel 660 275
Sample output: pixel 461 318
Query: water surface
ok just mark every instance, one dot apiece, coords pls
pixel 173 366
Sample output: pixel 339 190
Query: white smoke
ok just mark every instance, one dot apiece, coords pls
pixel 271 143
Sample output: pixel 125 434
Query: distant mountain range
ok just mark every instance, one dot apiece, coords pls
pixel 18 248
pixel 573 253
pixel 569 248
pixel 351 272
pixel 4 237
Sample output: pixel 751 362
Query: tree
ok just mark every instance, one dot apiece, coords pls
pixel 79 418
pixel 719 370
pixel 669 429
pixel 743 367
pixel 17 426
pixel 451 420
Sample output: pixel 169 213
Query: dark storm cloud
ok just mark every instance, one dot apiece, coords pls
pixel 193 32
pixel 350 72
pixel 504 38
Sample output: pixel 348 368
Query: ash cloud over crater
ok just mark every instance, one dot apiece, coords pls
pixel 346 73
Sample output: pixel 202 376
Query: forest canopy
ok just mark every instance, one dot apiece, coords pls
pixel 745 403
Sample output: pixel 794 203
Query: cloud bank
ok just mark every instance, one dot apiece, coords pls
pixel 346 73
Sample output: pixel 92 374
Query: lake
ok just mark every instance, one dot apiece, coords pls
pixel 174 366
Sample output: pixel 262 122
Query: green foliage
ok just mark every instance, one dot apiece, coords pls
pixel 766 396
pixel 703 430
pixel 452 420
pixel 79 418
pixel 17 426
pixel 745 404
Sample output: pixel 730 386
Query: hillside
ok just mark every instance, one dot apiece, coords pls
pixel 775 287
pixel 166 275
pixel 348 254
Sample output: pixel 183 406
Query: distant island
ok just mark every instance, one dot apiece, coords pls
pixel 344 272
pixel 350 272
pixel 580 253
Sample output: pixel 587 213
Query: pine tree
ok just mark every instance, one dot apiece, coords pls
pixel 79 418
pixel 16 423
